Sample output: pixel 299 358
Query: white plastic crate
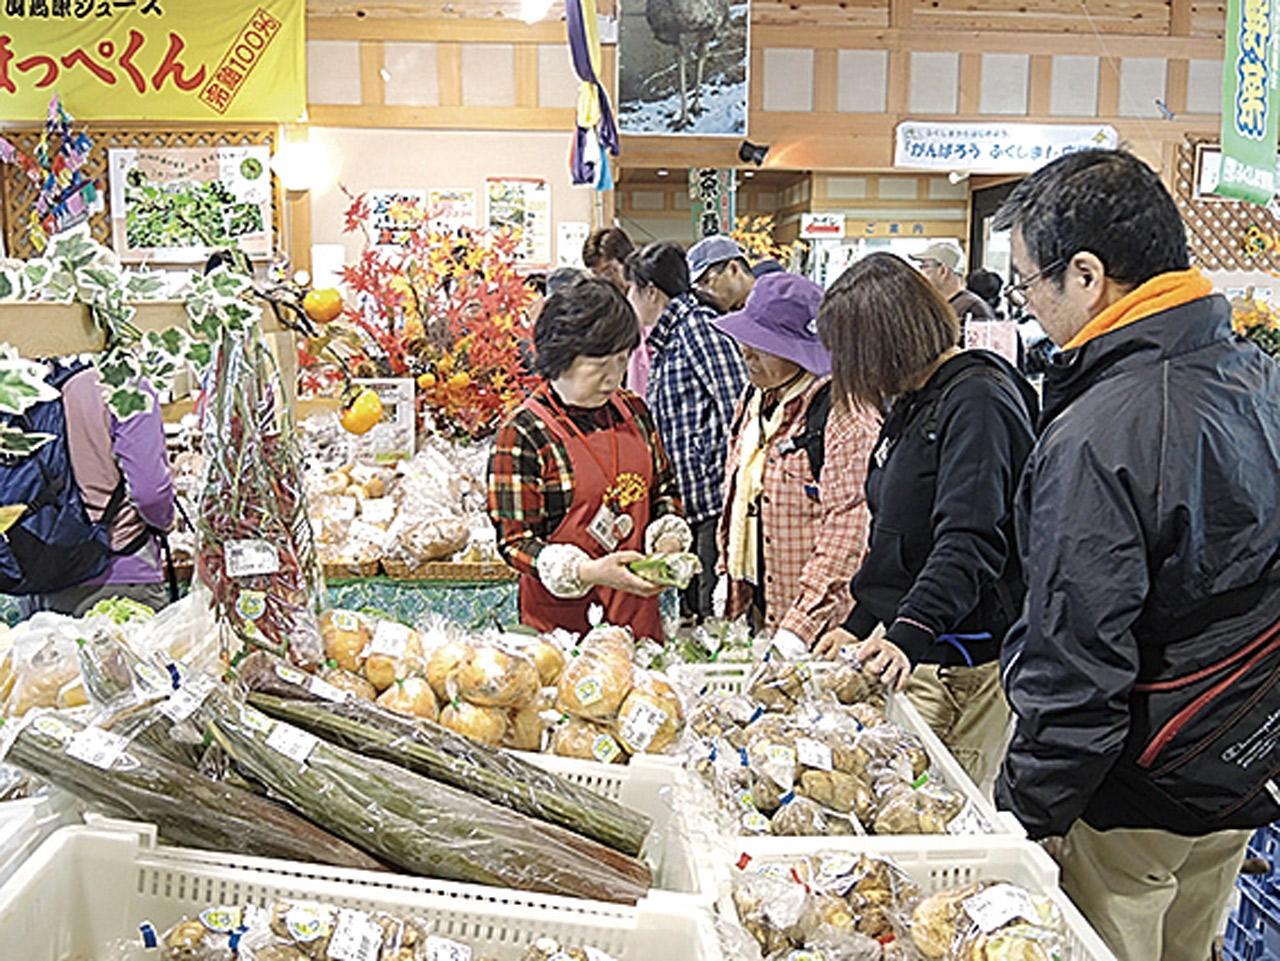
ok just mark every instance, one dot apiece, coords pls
pixel 25 822
pixel 731 677
pixel 87 886
pixel 681 864
pixel 936 868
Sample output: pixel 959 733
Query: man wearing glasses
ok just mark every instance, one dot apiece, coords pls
pixel 1144 674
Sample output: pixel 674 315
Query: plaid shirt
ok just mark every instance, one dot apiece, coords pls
pixel 696 378
pixel 531 478
pixel 811 547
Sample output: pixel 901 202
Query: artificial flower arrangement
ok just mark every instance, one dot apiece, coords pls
pixel 444 307
pixel 755 236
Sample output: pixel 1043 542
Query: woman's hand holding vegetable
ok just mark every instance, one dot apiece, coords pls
pixel 830 643
pixel 611 571
pixel 884 658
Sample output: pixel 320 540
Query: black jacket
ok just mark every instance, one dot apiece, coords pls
pixel 1149 526
pixel 940 489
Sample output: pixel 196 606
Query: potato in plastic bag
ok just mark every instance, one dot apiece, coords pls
pixel 650 718
pixel 44 656
pixel 207 936
pixel 904 810
pixel 346 634
pixel 770 906
pixel 394 652
pixel 412 696
pixel 354 684
pixel 443 663
pixel 596 681
pixel 525 729
pixel 840 792
pixel 988 921
pixel 800 817
pixel 497 676
pixel 777 684
pixel 588 741
pixel 486 724
pixel 852 685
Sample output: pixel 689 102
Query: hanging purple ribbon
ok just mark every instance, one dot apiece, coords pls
pixel 583 171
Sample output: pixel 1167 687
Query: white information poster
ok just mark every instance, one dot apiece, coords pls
pixel 522 205
pixel 994 147
pixel 570 236
pixel 452 209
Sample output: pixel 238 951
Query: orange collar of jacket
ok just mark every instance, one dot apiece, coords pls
pixel 1161 292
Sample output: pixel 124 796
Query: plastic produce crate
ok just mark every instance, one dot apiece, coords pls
pixel 962 861
pixel 26 822
pixel 732 677
pixel 1253 929
pixel 87 886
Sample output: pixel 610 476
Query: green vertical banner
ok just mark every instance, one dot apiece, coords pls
pixel 712 198
pixel 1249 104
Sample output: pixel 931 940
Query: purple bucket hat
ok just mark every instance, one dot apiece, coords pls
pixel 780 318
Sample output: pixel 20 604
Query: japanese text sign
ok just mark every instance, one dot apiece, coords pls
pixel 1249 105
pixel 154 59
pixel 712 198
pixel 994 147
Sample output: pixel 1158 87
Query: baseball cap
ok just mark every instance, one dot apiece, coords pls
pixel 710 251
pixel 762 267
pixel 780 318
pixel 945 252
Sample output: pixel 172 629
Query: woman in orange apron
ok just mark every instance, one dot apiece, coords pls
pixel 579 485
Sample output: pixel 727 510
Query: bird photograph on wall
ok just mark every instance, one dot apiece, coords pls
pixel 682 67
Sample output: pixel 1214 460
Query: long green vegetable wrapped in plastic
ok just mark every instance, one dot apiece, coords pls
pixel 126 780
pixel 416 824
pixel 670 570
pixel 436 752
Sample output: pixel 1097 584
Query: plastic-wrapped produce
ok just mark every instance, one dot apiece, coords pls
pixel 126 780
pixel 41 662
pixel 419 825
pixel 432 751
pixel 488 725
pixel 346 634
pixel 852 685
pixel 211 935
pixel 988 921
pixel 394 653
pixel 597 680
pixel 497 677
pixel 777 684
pixel 291 930
pixel 650 718
pixel 588 741
pixel 256 549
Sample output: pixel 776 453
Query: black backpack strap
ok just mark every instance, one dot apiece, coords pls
pixel 813 438
pixel 929 425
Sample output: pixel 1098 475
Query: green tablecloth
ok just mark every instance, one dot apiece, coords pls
pixel 465 602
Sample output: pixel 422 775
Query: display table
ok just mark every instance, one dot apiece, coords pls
pixel 465 602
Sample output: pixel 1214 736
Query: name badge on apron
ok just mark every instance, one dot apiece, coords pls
pixel 604 528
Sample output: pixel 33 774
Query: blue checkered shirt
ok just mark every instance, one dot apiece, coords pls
pixel 695 380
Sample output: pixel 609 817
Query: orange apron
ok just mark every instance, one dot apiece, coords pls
pixel 588 455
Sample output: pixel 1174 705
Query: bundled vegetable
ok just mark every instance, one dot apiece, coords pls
pixel 431 751
pixel 416 824
pixel 129 781
pixel 256 548
pixel 675 569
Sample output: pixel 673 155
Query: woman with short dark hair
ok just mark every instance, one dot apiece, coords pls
pixel 941 572
pixel 579 484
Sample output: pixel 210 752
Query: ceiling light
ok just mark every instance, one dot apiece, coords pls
pixel 748 173
pixel 531 11
pixel 663 173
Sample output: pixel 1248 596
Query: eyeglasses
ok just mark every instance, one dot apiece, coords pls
pixel 1018 294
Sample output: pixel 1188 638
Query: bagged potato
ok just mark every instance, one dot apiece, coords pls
pixel 346 634
pixel 588 741
pixel 411 696
pixel 524 729
pixel 650 717
pixel 45 659
pixel 394 653
pixel 353 684
pixel 988 921
pixel 596 682
pixel 444 662
pixel 497 677
pixel 547 658
pixel 486 724
pixel 207 936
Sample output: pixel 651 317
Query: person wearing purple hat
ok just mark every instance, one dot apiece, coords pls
pixel 795 520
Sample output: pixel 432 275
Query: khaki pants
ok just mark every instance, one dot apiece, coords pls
pixel 966 709
pixel 1152 894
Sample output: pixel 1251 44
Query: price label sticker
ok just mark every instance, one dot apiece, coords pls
pixel 292 742
pixel 442 949
pixel 814 754
pixel 390 640
pixel 292 675
pixel 968 821
pixel 356 937
pixel 255 720
pixel 589 690
pixel 753 822
pixel 308 922
pixel 326 691
pixel 378 510
pixel 223 920
pixel 343 508
pixel 97 747
pixel 253 556
pixel 187 699
pixel 605 749
pixel 780 765
pixel 642 724
pixel 346 620
pixel 999 905
pixel 50 726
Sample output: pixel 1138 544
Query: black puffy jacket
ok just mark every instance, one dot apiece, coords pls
pixel 940 487
pixel 1149 526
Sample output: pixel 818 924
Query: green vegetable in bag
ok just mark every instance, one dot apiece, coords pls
pixel 674 569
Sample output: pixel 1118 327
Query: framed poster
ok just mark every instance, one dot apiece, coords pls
pixel 395 215
pixel 682 68
pixel 178 204
pixel 452 209
pixel 524 206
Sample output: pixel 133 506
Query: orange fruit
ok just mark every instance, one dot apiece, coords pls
pixel 363 411
pixel 426 381
pixel 322 305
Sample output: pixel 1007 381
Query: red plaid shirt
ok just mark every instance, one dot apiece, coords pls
pixel 811 547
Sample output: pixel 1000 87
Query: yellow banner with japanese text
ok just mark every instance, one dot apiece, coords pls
pixel 191 60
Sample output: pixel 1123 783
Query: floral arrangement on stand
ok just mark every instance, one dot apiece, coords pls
pixel 1257 320
pixel 755 236
pixel 445 308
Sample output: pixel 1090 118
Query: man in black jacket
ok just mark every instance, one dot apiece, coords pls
pixel 1145 671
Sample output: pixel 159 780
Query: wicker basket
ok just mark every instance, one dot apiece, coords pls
pixel 343 570
pixel 449 571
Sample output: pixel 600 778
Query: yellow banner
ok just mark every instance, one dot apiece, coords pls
pixel 201 60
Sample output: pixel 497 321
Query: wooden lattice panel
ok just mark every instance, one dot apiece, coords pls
pixel 18 194
pixel 1216 229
